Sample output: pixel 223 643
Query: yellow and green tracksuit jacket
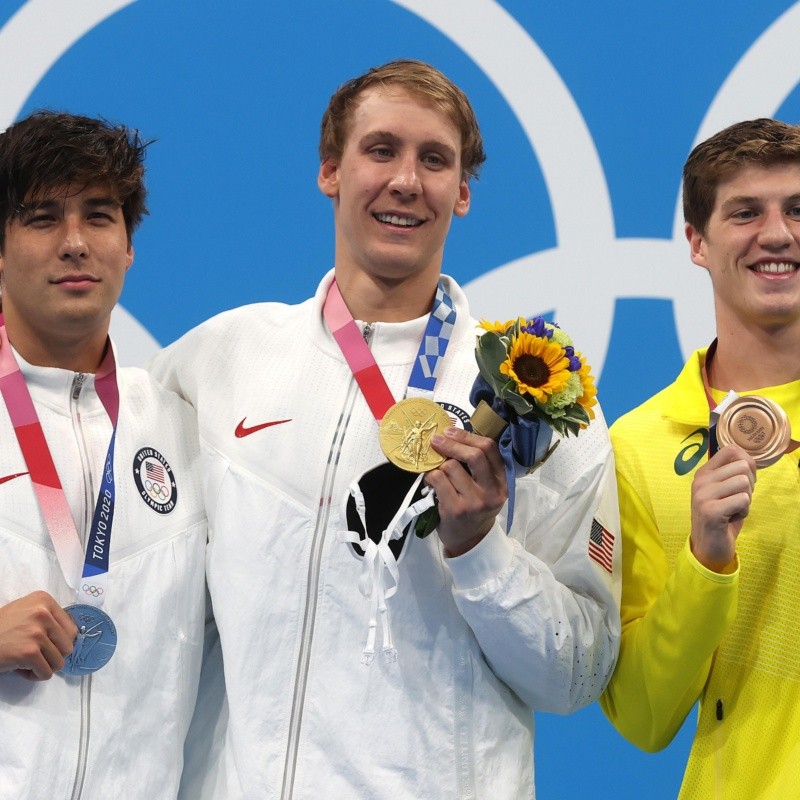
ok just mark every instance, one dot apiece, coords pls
pixel 733 641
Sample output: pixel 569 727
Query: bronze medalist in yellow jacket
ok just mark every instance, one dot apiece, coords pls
pixel 683 636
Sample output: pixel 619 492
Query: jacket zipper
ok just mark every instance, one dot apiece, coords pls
pixel 309 617
pixel 86 681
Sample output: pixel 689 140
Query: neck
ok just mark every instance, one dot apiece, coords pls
pixel 372 299
pixel 77 354
pixel 755 358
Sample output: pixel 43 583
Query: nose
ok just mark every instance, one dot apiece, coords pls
pixel 774 232
pixel 405 181
pixel 73 245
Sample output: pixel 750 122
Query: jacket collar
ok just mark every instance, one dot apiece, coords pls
pixel 392 343
pixel 687 397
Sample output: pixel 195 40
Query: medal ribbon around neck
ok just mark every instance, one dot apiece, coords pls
pixel 407 426
pixel 362 363
pixel 757 424
pixel 86 575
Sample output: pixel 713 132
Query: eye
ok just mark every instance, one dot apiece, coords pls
pixel 434 160
pixel 382 152
pixel 37 219
pixel 744 215
pixel 794 211
pixel 99 217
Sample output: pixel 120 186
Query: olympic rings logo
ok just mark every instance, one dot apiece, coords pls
pixel 90 588
pixel 158 490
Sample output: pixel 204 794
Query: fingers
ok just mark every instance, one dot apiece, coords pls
pixel 722 490
pixel 470 486
pixel 723 487
pixel 480 454
pixel 35 636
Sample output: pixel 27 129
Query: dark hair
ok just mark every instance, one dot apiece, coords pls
pixel 759 142
pixel 53 150
pixel 419 79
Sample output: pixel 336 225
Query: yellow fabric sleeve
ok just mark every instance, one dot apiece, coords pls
pixel 672 621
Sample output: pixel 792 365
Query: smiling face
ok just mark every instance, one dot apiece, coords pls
pixel 751 248
pixel 63 265
pixel 395 189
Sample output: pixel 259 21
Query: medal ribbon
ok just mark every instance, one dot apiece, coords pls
pixel 88 581
pixel 362 363
pixel 380 575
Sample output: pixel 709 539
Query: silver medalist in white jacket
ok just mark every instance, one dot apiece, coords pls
pixel 525 620
pixel 119 732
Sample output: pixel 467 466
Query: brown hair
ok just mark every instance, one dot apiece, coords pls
pixel 50 150
pixel 758 142
pixel 419 79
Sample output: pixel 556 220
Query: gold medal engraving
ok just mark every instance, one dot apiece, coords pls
pixel 758 426
pixel 406 431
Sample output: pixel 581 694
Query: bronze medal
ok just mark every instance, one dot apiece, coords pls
pixel 757 425
pixel 406 431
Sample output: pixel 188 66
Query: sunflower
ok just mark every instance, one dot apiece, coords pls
pixel 537 366
pixel 499 327
pixel 589 396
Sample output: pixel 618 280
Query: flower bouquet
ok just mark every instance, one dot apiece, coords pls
pixel 534 373
pixel 532 382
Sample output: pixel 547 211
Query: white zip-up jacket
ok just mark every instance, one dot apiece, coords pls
pixel 118 733
pixel 523 621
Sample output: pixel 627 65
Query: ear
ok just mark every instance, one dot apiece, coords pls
pixel 697 246
pixel 328 178
pixel 129 256
pixel 462 203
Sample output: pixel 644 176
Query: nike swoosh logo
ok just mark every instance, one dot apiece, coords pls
pixel 241 431
pixel 11 477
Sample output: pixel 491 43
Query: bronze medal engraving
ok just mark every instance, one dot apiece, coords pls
pixel 758 426
pixel 406 431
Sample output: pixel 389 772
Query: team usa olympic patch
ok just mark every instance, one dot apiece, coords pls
pixel 154 480
pixel 458 415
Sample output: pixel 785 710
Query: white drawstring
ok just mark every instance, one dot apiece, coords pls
pixel 378 560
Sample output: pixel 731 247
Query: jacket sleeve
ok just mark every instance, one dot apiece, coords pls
pixel 545 614
pixel 671 625
pixel 176 367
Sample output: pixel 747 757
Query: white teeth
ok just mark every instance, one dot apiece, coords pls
pixel 776 269
pixel 403 222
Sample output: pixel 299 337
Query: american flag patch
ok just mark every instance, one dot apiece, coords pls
pixel 155 472
pixel 601 546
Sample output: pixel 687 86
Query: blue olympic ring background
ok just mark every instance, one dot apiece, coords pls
pixel 233 94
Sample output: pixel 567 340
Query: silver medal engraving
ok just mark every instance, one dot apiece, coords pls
pixel 95 643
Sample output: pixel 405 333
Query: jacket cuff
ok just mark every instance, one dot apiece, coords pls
pixel 709 574
pixel 491 556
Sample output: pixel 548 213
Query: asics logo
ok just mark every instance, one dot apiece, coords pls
pixel 691 455
pixel 241 431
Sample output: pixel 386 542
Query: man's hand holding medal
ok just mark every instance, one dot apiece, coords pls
pixel 746 433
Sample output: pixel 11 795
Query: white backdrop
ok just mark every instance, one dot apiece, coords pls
pixel 588 111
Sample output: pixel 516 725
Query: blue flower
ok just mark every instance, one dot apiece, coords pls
pixel 538 327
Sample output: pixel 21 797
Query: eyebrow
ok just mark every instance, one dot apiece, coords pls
pixel 749 200
pixel 373 137
pixel 51 203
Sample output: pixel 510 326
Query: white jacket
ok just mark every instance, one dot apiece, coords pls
pixel 523 621
pixel 118 733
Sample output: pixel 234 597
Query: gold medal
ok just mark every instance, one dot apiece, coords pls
pixel 406 431
pixel 758 426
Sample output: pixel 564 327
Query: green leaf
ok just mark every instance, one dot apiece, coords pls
pixel 576 413
pixel 490 353
pixel 510 395
pixel 426 522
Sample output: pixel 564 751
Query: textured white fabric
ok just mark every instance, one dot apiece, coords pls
pixel 138 706
pixel 522 621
